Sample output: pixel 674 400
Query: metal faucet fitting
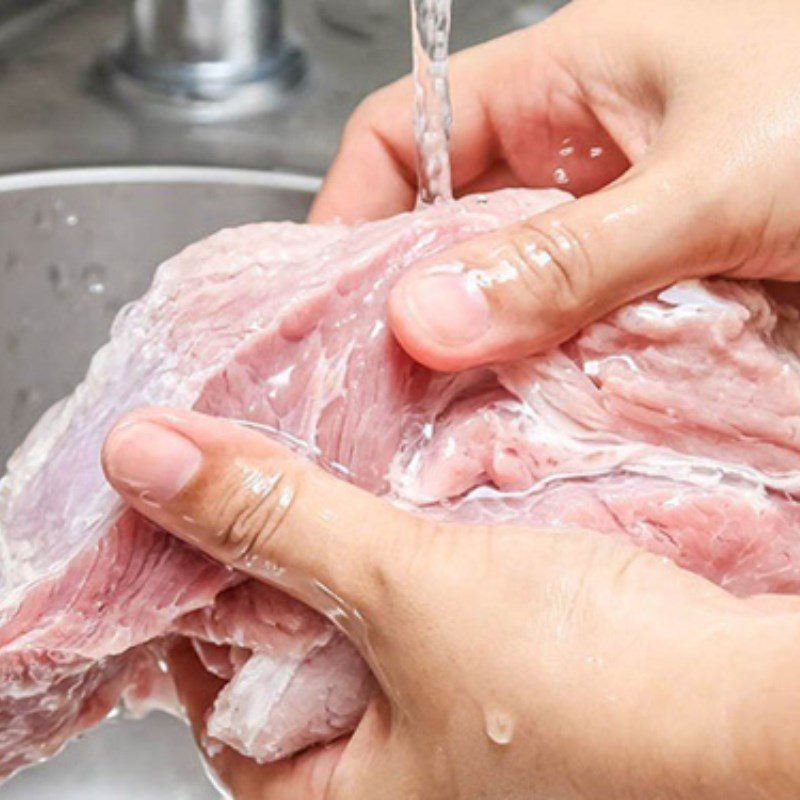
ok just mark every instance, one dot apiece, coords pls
pixel 204 60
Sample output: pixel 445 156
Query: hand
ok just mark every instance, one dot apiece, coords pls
pixel 514 663
pixel 676 123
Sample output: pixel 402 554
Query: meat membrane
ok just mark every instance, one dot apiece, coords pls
pixel 674 421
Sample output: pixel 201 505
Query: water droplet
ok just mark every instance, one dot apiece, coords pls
pixel 24 398
pixel 93 275
pixel 71 220
pixel 592 368
pixel 57 278
pixel 211 747
pixel 12 343
pixel 12 263
pixel 595 152
pixel 561 176
pixel 500 727
pixel 42 220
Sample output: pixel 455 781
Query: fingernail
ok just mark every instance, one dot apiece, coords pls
pixel 151 461
pixel 449 306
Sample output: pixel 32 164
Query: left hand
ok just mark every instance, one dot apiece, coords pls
pixel 514 662
pixel 676 125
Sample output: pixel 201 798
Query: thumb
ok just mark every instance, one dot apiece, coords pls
pixel 249 503
pixel 532 285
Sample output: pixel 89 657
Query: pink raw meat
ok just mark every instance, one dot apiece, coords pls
pixel 675 422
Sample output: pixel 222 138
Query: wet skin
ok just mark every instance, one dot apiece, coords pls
pixel 512 662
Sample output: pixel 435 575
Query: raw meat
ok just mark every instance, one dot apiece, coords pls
pixel 674 421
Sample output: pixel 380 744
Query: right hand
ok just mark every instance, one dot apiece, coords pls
pixel 515 663
pixel 676 123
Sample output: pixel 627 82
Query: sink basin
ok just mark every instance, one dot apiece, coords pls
pixel 152 759
pixel 75 245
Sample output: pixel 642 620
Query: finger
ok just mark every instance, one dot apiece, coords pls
pixel 498 176
pixel 250 503
pixel 307 775
pixel 368 180
pixel 515 106
pixel 528 287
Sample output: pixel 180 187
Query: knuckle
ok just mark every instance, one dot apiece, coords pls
pixel 399 563
pixel 740 228
pixel 252 508
pixel 371 114
pixel 705 197
pixel 557 268
pixel 366 113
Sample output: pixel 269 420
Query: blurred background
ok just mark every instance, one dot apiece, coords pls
pixel 128 129
pixel 248 83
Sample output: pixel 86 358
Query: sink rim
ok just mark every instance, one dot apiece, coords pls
pixel 158 174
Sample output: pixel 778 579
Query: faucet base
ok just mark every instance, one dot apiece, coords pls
pixel 202 92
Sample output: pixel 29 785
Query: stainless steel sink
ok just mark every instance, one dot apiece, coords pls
pixel 75 245
pixel 153 759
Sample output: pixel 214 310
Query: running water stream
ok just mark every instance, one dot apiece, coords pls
pixel 433 117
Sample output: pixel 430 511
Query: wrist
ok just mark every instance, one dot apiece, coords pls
pixel 731 730
pixel 765 707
